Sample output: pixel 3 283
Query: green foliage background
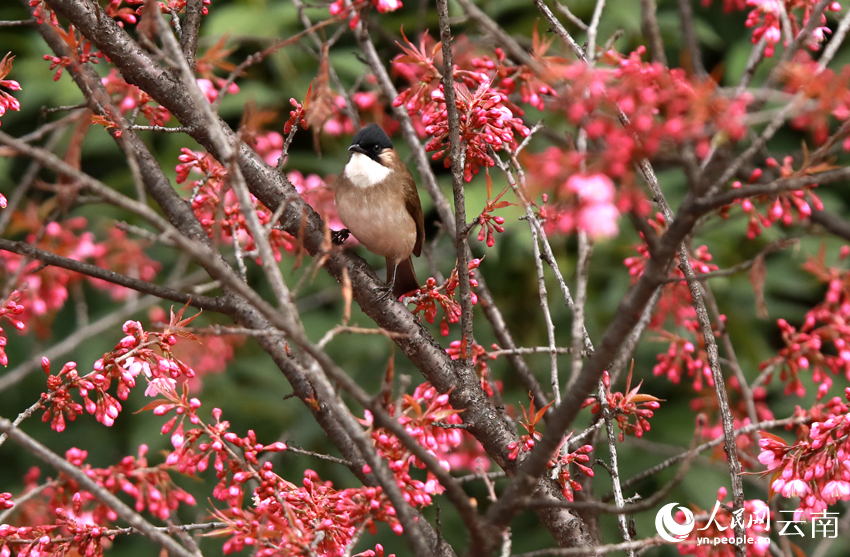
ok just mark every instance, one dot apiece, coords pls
pixel 251 392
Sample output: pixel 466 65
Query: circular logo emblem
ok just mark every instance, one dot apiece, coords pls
pixel 667 526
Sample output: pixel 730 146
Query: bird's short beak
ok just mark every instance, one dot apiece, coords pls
pixel 358 149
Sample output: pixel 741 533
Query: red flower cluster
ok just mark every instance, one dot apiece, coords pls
pixel 785 207
pixel 560 462
pixel 632 404
pixel 287 519
pixel 284 518
pixel 125 14
pixel 665 108
pixel 296 116
pixel 45 290
pixel 815 468
pixel 826 324
pixel 686 354
pixel 561 466
pixel 134 354
pixel 488 119
pixel 421 414
pixel 369 108
pixel 72 521
pixel 765 18
pixel 428 297
pixel 129 98
pixel 212 194
pixel 319 195
pixel 10 308
pixel 352 9
pixel 683 358
pixel 480 357
pixel 79 47
pixel 828 95
pixel 7 101
pixel 585 202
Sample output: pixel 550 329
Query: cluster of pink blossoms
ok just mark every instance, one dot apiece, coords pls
pixel 314 514
pixel 632 404
pixel 560 462
pixel 126 14
pixel 686 355
pixel 816 468
pixel 665 108
pixel 828 96
pixel 10 310
pixel 586 202
pixel 45 290
pixel 765 18
pixel 428 297
pixel 352 9
pixel 369 109
pixel 822 343
pixel 210 194
pixel 421 414
pixel 785 207
pixel 128 97
pixel 488 119
pixel 7 101
pixel 140 352
pixel 576 200
pixel 69 520
pixel 284 517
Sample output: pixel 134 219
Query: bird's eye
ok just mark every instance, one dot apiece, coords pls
pixel 376 148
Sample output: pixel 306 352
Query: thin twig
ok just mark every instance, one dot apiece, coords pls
pixel 689 32
pixel 574 19
pixel 614 466
pixel 593 28
pixel 649 26
pixel 457 162
pixel 745 430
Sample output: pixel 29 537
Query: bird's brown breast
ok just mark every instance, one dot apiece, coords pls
pixel 378 217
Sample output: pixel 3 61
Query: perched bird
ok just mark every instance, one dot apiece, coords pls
pixel 377 201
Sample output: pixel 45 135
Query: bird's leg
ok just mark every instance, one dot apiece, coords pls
pixel 387 291
pixel 338 237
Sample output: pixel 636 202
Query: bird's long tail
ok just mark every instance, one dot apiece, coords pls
pixel 405 278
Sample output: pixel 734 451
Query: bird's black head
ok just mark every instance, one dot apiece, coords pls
pixel 370 141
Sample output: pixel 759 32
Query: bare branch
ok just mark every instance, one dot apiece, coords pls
pixel 458 158
pixel 689 33
pixel 649 26
pixel 614 465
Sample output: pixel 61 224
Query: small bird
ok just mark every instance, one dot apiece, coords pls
pixel 377 201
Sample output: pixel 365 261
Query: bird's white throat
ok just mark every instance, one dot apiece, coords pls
pixel 364 172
